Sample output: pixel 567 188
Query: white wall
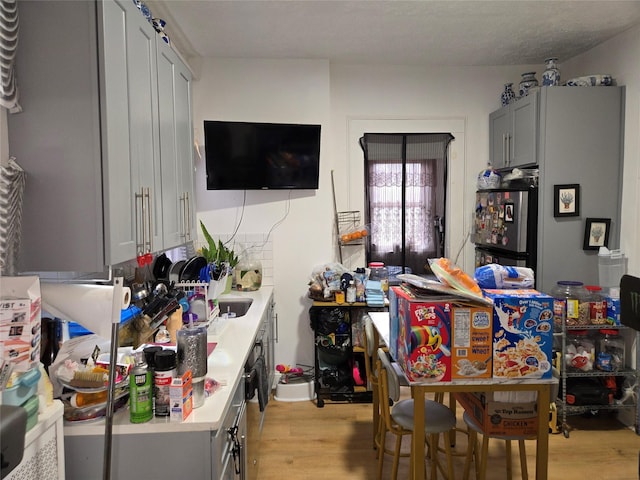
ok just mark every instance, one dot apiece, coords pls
pixel 273 91
pixel 349 100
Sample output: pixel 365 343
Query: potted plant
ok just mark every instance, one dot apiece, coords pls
pixel 218 253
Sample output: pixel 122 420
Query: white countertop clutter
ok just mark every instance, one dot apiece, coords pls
pixel 225 365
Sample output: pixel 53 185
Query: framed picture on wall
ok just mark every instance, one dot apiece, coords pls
pixel 566 200
pixel 596 233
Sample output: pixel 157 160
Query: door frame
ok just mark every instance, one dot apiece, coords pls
pixel 456 232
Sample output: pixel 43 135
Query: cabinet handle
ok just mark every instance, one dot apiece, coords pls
pixel 187 203
pixel 183 214
pixel 509 158
pixel 275 318
pixel 186 216
pixel 148 241
pixel 504 149
pixel 139 220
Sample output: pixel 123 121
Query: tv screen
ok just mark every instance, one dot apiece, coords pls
pixel 260 156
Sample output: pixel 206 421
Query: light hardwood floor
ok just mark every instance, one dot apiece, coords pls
pixel 301 441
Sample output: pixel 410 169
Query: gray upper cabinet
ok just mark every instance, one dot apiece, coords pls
pixel 513 133
pixel 176 147
pixel 89 136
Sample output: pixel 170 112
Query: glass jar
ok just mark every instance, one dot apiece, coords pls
pixel 580 352
pixel 597 305
pixel 570 300
pixel 380 273
pixel 248 273
pixel 611 351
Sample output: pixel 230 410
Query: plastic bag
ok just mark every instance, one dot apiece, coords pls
pixel 326 279
pixel 500 276
pixel 452 275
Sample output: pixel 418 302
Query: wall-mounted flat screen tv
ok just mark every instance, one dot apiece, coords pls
pixel 261 156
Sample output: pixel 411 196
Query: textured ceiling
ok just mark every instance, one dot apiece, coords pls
pixel 419 32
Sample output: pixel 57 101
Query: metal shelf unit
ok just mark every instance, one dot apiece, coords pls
pixel 566 373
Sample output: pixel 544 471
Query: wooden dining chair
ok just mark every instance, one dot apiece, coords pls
pixel 398 419
pixel 480 458
pixel 371 370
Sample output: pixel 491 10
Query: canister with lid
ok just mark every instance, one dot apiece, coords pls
pixel 611 351
pixel 597 305
pixel 571 302
pixel 581 351
pixel 380 273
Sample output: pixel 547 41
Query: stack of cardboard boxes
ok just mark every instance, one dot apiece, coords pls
pixel 439 338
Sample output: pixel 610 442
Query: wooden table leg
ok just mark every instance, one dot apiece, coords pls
pixel 542 446
pixel 417 444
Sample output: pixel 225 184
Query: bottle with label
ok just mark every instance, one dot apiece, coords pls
pixel 140 392
pixel 351 292
pixel 163 375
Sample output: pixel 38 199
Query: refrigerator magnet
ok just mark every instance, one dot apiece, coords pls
pixel 508 213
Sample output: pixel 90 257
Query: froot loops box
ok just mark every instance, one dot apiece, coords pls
pixel 522 333
pixel 421 336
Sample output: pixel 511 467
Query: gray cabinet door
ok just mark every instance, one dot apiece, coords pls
pixel 498 135
pixel 57 138
pixel 513 133
pixel 143 129
pixel 174 93
pixel 524 131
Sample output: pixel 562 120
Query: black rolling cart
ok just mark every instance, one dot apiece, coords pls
pixel 339 359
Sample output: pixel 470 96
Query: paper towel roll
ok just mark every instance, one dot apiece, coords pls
pixel 89 305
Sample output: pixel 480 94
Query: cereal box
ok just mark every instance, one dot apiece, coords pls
pixel 522 333
pixel 471 345
pixel 422 336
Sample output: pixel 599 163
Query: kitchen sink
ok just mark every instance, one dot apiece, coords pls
pixel 237 306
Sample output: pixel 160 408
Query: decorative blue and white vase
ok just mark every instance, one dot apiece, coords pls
pixel 158 24
pixel 551 76
pixel 508 95
pixel 527 82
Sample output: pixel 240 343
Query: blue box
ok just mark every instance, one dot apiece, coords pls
pixel 522 333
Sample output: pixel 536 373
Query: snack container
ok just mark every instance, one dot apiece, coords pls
pixel 522 333
pixel 420 336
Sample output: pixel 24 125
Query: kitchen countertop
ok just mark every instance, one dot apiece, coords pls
pixel 225 365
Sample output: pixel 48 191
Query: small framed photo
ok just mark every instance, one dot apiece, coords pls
pixel 508 213
pixel 596 233
pixel 566 200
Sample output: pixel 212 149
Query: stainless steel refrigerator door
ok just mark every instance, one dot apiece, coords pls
pixel 501 219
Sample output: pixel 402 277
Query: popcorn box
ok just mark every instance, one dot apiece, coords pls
pixel 20 317
pixel 421 336
pixel 471 343
pixel 181 397
pixel 522 333
pixel 502 413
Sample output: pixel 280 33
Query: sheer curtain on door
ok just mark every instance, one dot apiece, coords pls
pixel 405 184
